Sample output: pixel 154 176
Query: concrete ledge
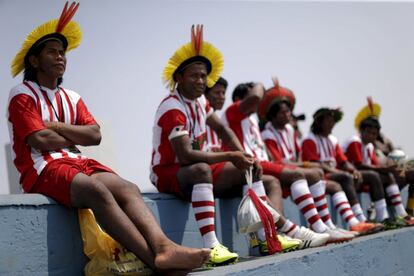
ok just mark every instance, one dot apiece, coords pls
pixel 386 253
pixel 39 236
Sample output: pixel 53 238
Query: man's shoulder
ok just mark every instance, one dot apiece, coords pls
pixel 354 139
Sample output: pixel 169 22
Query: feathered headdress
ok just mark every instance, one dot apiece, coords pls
pixel 196 50
pixel 62 29
pixel 370 110
pixel 275 94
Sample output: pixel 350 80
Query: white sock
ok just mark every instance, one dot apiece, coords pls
pixel 202 199
pixel 289 228
pixel 393 193
pixel 381 209
pixel 359 214
pixel 318 193
pixel 341 203
pixel 303 199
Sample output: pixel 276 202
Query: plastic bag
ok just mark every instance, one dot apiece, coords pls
pixel 254 214
pixel 107 257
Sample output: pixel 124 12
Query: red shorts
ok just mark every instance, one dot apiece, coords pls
pixel 168 182
pixel 275 169
pixel 56 177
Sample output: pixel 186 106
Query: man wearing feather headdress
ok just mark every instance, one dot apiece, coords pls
pixel 48 121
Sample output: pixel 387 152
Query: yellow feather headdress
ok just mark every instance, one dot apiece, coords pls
pixel 196 50
pixel 62 28
pixel 370 110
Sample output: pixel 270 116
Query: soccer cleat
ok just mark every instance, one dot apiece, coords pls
pixel 337 236
pixel 365 228
pixel 221 255
pixel 288 244
pixel 347 232
pixel 391 225
pixel 310 238
pixel 407 220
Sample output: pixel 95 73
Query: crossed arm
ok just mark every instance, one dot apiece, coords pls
pixel 60 135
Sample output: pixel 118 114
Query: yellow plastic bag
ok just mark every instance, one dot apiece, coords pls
pixel 107 257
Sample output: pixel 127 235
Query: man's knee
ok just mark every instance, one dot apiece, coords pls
pixel 199 173
pixel 87 190
pixel 271 183
pixel 371 177
pixel 295 175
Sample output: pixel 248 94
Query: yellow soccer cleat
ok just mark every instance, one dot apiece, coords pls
pixel 288 244
pixel 221 255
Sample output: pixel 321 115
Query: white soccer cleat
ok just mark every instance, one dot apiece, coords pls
pixel 337 236
pixel 310 238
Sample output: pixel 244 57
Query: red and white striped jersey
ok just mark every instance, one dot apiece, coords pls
pixel 358 153
pixel 282 144
pixel 213 141
pixel 177 116
pixel 29 107
pixel 322 149
pixel 247 131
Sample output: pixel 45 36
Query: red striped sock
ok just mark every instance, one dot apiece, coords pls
pixel 341 203
pixel 303 199
pixel 318 193
pixel 393 193
pixel 202 199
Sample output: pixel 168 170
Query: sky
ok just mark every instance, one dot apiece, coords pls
pixel 332 54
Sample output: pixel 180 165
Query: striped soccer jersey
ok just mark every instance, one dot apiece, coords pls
pixel 322 149
pixel 282 144
pixel 29 107
pixel 177 116
pixel 358 153
pixel 247 131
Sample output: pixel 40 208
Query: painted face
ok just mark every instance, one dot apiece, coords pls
pixel 369 135
pixel 193 80
pixel 51 61
pixel 284 115
pixel 216 96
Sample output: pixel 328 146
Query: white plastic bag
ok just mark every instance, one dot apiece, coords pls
pixel 248 217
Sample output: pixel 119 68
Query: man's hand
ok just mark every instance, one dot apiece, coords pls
pixel 241 160
pixel 257 171
pixel 53 126
pixel 357 176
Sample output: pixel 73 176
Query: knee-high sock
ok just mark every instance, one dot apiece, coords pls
pixel 341 203
pixel 381 210
pixel 289 228
pixel 318 193
pixel 303 199
pixel 202 199
pixel 359 214
pixel 260 191
pixel 393 193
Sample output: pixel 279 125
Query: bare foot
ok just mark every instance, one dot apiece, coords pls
pixel 177 257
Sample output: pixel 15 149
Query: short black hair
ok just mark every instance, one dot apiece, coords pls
pixel 370 122
pixel 241 90
pixel 30 73
pixel 275 107
pixel 221 81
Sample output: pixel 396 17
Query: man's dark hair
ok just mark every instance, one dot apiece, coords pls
pixel 275 108
pixel 30 73
pixel 221 81
pixel 241 90
pixel 370 122
pixel 316 127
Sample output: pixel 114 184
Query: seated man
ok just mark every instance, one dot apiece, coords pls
pixel 216 96
pixel 240 116
pixel 283 146
pixel 360 151
pixel 180 165
pixel 321 146
pixel 47 121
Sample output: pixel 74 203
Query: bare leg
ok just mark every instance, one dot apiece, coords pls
pixel 288 176
pixel 376 188
pixel 332 187
pixel 273 192
pixel 155 249
pixel 312 175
